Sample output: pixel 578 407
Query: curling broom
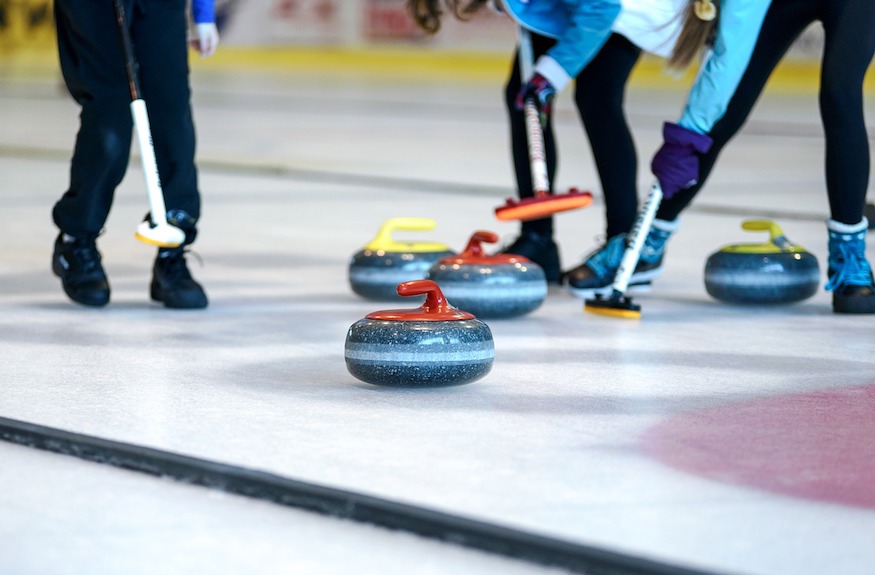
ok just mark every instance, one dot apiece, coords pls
pixel 155 230
pixel 618 304
pixel 542 204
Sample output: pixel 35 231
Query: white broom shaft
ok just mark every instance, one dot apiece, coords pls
pixel 636 239
pixel 537 154
pixel 150 166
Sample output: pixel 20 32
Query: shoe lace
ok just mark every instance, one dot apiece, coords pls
pixel 853 269
pixel 606 259
pixel 85 256
pixel 173 265
pixel 654 244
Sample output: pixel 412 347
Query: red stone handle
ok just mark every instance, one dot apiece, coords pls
pixel 435 308
pixel 473 254
pixel 475 244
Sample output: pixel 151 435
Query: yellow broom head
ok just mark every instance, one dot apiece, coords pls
pixel 613 306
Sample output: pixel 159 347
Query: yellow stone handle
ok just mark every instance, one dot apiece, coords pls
pixel 778 242
pixel 384 241
pixel 774 229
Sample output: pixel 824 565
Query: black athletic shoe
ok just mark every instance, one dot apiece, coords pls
pixel 77 262
pixel 172 283
pixel 541 249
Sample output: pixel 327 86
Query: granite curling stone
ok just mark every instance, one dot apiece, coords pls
pixel 430 346
pixel 773 272
pixel 490 286
pixel 376 270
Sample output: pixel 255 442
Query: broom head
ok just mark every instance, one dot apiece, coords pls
pixel 616 305
pixel 542 205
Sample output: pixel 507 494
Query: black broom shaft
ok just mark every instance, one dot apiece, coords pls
pixel 128 50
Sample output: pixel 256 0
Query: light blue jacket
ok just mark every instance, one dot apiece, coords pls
pixel 203 11
pixel 580 27
pixel 721 71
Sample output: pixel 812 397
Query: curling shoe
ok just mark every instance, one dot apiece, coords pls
pixel 172 283
pixel 541 249
pixel 850 275
pixel 77 262
pixel 595 276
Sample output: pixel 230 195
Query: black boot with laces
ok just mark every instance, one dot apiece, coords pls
pixel 77 262
pixel 850 275
pixel 172 283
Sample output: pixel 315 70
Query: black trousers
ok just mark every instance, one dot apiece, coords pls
pixel 599 94
pixel 93 66
pixel 849 27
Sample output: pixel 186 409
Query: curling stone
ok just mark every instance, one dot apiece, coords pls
pixel 776 271
pixel 433 345
pixel 376 270
pixel 490 286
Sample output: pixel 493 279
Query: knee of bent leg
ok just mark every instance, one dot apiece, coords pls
pixel 841 95
pixel 106 130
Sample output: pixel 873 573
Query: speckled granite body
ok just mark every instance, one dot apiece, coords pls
pixel 375 274
pixel 492 290
pixel 761 278
pixel 419 353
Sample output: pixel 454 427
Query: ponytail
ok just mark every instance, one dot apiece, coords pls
pixel 700 22
pixel 427 13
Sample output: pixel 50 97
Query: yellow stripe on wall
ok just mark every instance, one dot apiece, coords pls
pixel 422 65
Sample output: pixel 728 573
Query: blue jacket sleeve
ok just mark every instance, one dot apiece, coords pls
pixel 589 26
pixel 203 11
pixel 721 71
pixel 580 28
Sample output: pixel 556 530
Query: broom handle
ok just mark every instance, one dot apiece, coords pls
pixel 635 240
pixel 150 166
pixel 127 50
pixel 140 118
pixel 537 155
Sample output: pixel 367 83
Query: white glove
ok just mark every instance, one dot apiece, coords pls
pixel 204 38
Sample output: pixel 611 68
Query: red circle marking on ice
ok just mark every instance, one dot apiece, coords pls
pixel 818 445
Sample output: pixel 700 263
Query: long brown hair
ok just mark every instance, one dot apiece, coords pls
pixel 427 13
pixel 695 33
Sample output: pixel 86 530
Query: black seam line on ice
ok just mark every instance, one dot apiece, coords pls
pixel 334 502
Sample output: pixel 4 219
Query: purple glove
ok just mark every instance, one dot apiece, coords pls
pixel 676 164
pixel 539 88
